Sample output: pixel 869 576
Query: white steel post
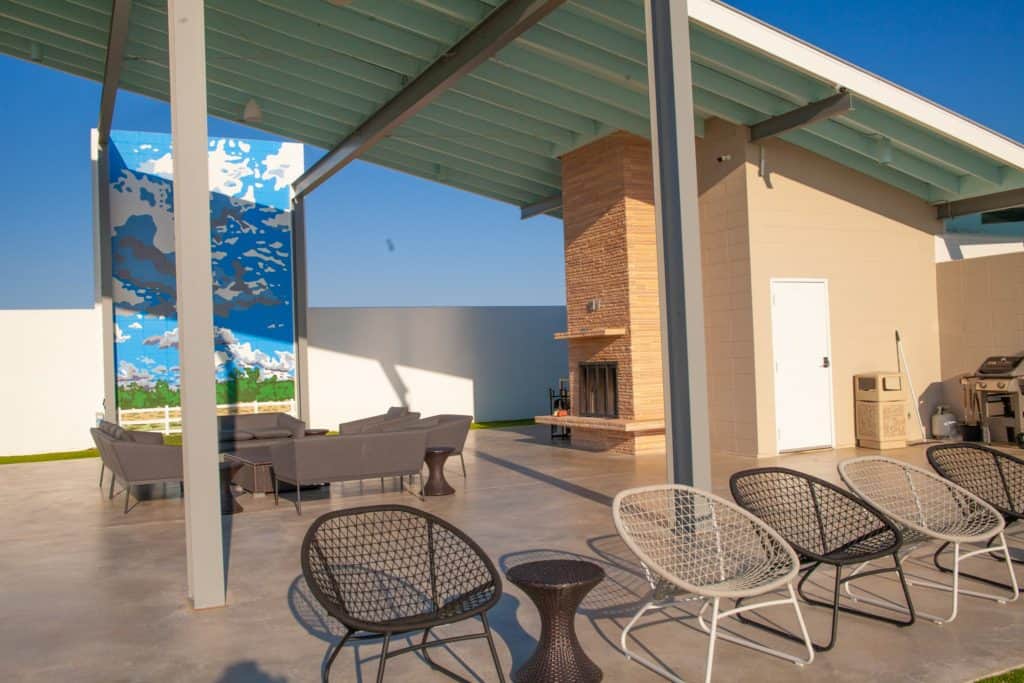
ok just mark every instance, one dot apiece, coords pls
pixel 684 362
pixel 203 532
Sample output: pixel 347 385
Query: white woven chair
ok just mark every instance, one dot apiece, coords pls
pixel 693 544
pixel 928 508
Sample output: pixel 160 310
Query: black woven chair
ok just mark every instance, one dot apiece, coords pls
pixel 994 476
pixel 826 526
pixel 388 570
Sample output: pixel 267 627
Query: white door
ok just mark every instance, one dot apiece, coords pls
pixel 803 364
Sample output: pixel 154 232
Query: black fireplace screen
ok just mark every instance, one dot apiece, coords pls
pixel 598 390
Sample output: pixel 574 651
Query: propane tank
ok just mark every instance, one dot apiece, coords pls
pixel 943 423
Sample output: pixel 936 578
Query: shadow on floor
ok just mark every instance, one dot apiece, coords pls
pixel 567 486
pixel 248 672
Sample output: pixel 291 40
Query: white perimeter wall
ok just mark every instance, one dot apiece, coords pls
pixel 51 382
pixel 493 363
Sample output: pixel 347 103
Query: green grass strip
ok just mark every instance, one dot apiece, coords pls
pixel 1015 676
pixel 49 457
pixel 501 424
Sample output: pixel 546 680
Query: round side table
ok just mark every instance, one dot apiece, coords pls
pixel 436 484
pixel 557 587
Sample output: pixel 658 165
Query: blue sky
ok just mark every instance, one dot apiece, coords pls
pixel 449 247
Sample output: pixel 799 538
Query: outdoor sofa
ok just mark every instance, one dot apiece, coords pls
pixel 319 459
pixel 395 417
pixel 136 458
pixel 257 429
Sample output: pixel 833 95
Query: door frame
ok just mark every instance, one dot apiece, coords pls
pixel 828 345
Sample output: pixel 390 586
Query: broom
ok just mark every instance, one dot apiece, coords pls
pixel 904 367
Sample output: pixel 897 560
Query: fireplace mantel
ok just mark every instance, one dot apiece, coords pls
pixel 596 333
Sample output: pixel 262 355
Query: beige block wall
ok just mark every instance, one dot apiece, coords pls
pixel 728 314
pixel 980 315
pixel 874 244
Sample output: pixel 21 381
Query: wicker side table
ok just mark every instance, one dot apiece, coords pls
pixel 436 484
pixel 557 587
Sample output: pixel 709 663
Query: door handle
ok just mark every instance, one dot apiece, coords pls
pixel 825 362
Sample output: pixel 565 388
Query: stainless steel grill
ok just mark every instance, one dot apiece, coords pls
pixel 993 398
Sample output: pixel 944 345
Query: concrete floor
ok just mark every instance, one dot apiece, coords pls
pixel 89 594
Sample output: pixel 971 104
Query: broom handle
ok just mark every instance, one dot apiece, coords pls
pixel 902 359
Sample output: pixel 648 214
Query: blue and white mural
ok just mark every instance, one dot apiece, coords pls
pixel 250 202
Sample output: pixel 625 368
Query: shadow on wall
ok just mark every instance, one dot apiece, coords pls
pixel 501 360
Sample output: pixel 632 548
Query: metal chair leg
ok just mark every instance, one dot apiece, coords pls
pixel 463 459
pixel 102 468
pixel 383 658
pixel 276 497
pixel 298 498
pixel 113 478
pixel 326 673
pixel 494 650
pixel 127 496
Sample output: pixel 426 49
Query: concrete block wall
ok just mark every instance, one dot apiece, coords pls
pixel 491 362
pixel 980 315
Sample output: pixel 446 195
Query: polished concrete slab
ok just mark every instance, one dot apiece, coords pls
pixel 90 594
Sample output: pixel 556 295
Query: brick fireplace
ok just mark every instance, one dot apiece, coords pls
pixel 611 281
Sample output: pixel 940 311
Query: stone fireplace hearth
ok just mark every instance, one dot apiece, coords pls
pixel 611 281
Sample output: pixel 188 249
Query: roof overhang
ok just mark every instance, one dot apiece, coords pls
pixel 320 71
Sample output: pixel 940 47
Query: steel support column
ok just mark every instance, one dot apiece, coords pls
pixel 103 285
pixel 300 305
pixel 203 531
pixel 679 256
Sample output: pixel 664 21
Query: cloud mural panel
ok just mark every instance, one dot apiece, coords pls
pixel 250 201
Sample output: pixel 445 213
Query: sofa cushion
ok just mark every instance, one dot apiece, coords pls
pixel 274 433
pixel 146 437
pixel 412 423
pixel 237 435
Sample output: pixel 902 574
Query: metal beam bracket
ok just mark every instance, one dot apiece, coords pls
pixel 836 105
pixel 547 205
pixel 996 201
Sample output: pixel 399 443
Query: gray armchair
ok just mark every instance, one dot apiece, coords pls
pixel 119 433
pixel 450 431
pixel 136 462
pixel 319 459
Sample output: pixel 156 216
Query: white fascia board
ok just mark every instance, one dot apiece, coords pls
pixel 743 28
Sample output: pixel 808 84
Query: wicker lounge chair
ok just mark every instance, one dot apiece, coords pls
pixel 826 526
pixel 995 477
pixel 694 544
pixel 927 507
pixel 387 570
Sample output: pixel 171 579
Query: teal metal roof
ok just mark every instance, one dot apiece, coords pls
pixel 318 69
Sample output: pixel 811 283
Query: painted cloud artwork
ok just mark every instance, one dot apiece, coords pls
pixel 254 355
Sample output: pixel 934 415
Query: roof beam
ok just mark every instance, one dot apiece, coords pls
pixel 836 105
pixel 545 205
pixel 500 28
pixel 120 13
pixel 989 202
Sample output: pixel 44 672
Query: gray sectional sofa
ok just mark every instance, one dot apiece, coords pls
pixel 389 445
pixel 352 457
pixel 135 458
pixel 257 430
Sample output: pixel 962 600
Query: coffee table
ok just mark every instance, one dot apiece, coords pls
pixel 557 587
pixel 436 484
pixel 229 505
pixel 254 470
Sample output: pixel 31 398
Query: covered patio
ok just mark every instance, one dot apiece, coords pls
pixel 487 97
pixel 116 607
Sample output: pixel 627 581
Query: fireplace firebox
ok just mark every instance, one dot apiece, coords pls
pixel 599 394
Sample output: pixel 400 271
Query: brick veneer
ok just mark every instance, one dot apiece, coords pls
pixel 611 256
